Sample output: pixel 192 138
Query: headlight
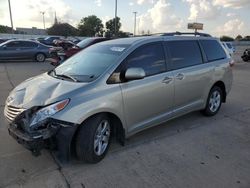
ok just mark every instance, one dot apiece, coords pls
pixel 48 111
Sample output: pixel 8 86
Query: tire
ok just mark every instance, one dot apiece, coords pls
pixel 214 101
pixel 40 57
pixel 245 59
pixel 92 142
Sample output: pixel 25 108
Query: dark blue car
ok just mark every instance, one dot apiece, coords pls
pixel 23 49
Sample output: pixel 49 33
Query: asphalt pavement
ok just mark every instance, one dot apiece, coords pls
pixel 191 151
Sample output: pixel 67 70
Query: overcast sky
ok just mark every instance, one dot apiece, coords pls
pixel 221 17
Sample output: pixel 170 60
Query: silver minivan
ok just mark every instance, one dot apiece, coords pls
pixel 116 89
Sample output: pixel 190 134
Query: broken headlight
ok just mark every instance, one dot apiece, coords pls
pixel 48 111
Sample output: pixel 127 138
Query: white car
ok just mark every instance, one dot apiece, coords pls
pixel 229 47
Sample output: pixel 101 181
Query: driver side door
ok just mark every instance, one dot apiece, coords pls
pixel 148 101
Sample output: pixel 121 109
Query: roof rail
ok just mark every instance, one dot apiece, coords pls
pixel 181 33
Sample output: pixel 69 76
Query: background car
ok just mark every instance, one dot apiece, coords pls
pixel 3 40
pixel 229 47
pixel 23 49
pixel 65 54
pixel 49 40
pixel 246 55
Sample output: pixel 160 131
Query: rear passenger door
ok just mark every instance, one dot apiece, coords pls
pixel 191 75
pixel 28 49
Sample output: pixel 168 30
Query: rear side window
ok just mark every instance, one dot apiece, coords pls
pixel 184 53
pixel 150 57
pixel 28 44
pixel 213 50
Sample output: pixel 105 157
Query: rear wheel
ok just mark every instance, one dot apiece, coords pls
pixel 40 57
pixel 93 139
pixel 213 102
pixel 245 58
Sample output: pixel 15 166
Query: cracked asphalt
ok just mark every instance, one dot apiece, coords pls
pixel 191 151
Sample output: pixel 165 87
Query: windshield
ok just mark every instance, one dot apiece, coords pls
pixel 90 63
pixel 6 42
pixel 85 42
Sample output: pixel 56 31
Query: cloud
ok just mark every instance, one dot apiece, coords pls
pixel 140 2
pixel 231 27
pixel 98 3
pixel 236 4
pixel 160 18
pixel 202 9
pixel 32 15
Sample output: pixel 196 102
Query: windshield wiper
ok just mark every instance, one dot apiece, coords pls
pixel 67 76
pixel 64 76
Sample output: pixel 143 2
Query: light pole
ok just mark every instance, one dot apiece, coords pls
pixel 115 17
pixel 135 24
pixel 11 17
pixel 43 19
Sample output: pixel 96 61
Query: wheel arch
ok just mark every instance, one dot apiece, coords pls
pixel 118 130
pixel 222 86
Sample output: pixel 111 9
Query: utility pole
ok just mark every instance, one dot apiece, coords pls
pixel 115 18
pixel 11 18
pixel 43 19
pixel 135 24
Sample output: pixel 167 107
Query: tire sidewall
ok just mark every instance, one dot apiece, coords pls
pixel 85 140
pixel 38 59
pixel 207 110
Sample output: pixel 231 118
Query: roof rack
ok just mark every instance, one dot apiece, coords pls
pixel 185 33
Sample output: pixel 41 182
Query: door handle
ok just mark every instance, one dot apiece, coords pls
pixel 167 80
pixel 180 76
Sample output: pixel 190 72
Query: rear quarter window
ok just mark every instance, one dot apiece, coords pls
pixel 213 50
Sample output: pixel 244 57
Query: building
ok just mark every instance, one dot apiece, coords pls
pixel 31 31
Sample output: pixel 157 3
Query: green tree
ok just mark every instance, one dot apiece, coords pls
pixel 110 26
pixel 62 29
pixel 90 26
pixel 239 37
pixel 246 38
pixel 226 38
pixel 5 29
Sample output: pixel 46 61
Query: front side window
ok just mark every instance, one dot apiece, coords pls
pixel 213 50
pixel 149 57
pixel 184 53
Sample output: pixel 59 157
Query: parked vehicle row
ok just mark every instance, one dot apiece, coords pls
pixel 18 49
pixel 118 88
pixel 60 55
pixel 23 49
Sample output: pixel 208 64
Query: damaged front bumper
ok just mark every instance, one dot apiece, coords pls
pixel 36 140
pixel 55 135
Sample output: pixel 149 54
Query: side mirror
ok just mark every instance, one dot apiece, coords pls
pixel 134 74
pixel 4 47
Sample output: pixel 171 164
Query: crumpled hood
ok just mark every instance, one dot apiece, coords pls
pixel 41 90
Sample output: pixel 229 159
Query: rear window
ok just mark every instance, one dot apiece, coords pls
pixel 184 53
pixel 213 50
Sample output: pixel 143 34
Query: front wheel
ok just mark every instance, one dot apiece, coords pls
pixel 93 139
pixel 213 102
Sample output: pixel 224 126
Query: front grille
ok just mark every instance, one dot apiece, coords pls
pixel 12 112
